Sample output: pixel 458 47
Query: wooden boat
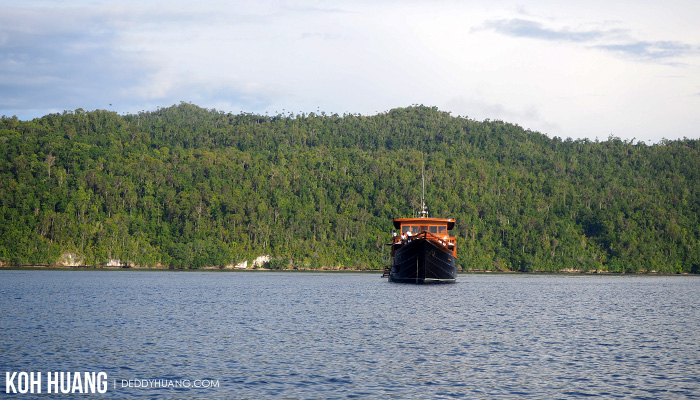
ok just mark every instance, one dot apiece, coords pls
pixel 424 252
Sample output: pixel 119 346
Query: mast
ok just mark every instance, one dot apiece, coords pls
pixel 424 209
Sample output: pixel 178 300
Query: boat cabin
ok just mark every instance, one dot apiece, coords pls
pixel 434 229
pixel 436 226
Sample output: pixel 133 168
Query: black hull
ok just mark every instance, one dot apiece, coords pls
pixel 423 261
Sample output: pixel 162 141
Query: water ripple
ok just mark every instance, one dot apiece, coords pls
pixel 305 335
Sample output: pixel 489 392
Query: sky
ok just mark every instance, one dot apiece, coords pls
pixel 593 69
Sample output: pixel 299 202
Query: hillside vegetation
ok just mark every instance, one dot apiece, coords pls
pixel 189 187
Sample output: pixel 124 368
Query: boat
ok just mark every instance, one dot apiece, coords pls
pixel 424 252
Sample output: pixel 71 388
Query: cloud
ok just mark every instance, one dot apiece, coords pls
pixel 536 67
pixel 54 59
pixel 65 54
pixel 478 108
pixel 616 41
pixel 651 51
pixel 321 36
pixel 534 30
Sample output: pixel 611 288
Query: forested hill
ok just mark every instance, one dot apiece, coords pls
pixel 190 187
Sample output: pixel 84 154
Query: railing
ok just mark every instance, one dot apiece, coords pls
pixel 424 235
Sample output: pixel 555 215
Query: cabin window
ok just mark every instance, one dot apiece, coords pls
pixel 412 228
pixel 416 229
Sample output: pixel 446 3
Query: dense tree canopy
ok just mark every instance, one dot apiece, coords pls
pixel 189 187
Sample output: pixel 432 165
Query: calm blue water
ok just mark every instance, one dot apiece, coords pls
pixel 326 335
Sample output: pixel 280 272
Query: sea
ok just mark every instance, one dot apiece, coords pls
pixel 293 335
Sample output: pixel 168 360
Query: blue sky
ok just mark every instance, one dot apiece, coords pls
pixel 590 69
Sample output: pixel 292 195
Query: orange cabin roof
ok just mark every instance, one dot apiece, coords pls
pixel 424 221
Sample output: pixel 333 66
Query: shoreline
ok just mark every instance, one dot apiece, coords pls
pixel 349 270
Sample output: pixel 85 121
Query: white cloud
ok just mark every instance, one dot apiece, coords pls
pixel 565 69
